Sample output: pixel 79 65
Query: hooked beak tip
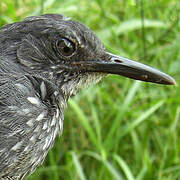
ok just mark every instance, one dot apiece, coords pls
pixel 173 82
pixel 170 81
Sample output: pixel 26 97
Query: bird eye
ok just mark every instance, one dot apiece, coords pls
pixel 65 47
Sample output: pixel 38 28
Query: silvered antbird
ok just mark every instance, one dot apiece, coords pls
pixel 43 61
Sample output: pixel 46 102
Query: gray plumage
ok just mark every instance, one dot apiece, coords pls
pixel 32 98
pixel 42 64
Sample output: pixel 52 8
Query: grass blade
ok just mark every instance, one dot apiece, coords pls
pixel 53 163
pixel 131 25
pixel 78 166
pixel 123 109
pixel 84 122
pixel 124 167
pixel 106 163
pixel 142 118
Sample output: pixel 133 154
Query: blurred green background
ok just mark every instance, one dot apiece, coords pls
pixel 120 128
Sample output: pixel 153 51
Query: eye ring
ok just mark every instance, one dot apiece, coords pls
pixel 65 47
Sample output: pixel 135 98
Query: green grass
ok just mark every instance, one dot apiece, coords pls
pixel 118 129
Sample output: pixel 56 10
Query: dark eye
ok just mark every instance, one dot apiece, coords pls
pixel 65 47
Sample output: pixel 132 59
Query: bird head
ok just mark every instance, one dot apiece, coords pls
pixel 69 54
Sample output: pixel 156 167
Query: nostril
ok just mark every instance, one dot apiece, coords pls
pixel 117 60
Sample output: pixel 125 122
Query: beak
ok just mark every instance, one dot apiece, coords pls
pixel 126 67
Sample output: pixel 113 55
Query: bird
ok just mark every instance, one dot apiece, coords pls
pixel 44 60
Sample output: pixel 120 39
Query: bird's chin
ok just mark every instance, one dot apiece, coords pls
pixel 84 80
